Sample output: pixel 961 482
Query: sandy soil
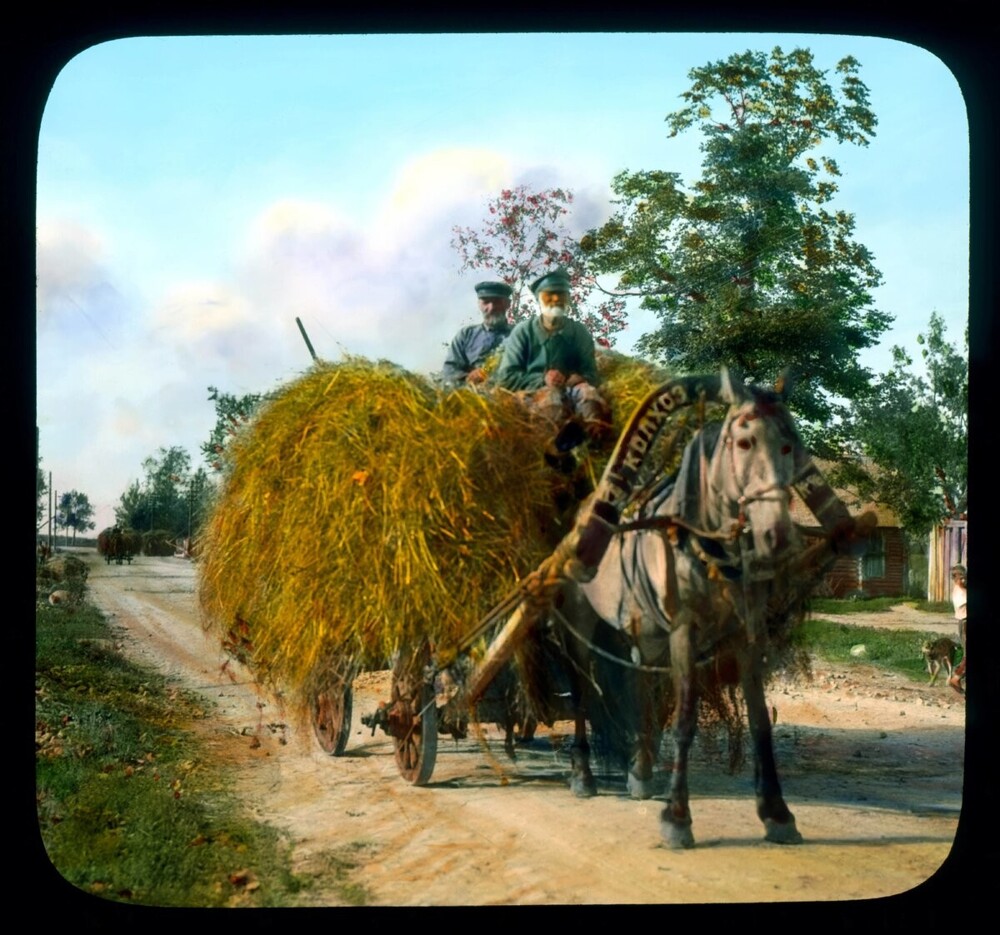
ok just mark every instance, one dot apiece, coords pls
pixel 871 766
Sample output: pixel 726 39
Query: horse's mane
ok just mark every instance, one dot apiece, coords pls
pixel 686 498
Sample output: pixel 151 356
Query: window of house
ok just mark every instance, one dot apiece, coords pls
pixel 873 563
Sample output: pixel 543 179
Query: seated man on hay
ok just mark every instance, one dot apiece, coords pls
pixel 473 345
pixel 549 360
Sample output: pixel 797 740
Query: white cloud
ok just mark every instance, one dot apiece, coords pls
pixel 75 296
pixel 69 263
pixel 385 288
pixel 435 191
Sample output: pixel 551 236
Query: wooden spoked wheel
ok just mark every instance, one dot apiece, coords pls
pixel 413 716
pixel 331 713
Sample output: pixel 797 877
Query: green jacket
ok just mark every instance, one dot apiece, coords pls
pixel 530 351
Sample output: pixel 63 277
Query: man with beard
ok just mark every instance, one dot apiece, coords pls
pixel 472 346
pixel 549 360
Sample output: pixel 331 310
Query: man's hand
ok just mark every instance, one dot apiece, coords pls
pixel 476 376
pixel 554 378
pixel 575 380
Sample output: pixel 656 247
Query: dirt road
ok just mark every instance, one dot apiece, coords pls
pixel 871 766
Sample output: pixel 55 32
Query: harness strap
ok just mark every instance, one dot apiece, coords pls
pixel 666 522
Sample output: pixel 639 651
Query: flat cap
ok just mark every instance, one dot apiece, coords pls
pixel 556 280
pixel 497 290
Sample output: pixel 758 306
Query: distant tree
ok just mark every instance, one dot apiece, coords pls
pixel 231 414
pixel 41 489
pixel 75 512
pixel 523 236
pixel 751 267
pixel 171 497
pixel 911 435
pixel 131 512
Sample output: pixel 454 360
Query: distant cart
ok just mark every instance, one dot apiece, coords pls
pixel 116 545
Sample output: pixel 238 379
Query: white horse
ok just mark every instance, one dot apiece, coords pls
pixel 702 579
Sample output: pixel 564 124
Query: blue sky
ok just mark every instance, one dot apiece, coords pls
pixel 196 194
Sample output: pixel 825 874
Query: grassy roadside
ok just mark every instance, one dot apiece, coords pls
pixel 896 650
pixel 128 807
pixel 874 605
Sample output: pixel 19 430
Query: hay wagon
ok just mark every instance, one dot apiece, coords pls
pixel 367 517
pixel 117 545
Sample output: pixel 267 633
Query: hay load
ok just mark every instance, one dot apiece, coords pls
pixel 366 509
pixel 114 543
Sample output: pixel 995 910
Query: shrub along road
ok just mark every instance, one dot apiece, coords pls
pixel 871 765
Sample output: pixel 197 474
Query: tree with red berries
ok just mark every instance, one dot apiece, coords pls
pixel 523 236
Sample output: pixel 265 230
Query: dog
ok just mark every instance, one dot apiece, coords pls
pixel 938 653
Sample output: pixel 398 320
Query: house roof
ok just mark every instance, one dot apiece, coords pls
pixel 855 506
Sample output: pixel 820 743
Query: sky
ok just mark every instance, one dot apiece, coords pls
pixel 197 194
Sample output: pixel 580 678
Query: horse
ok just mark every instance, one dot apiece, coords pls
pixel 705 578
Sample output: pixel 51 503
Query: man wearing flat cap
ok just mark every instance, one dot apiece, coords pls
pixel 473 344
pixel 550 358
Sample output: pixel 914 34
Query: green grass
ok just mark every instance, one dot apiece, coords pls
pixel 128 806
pixel 874 605
pixel 871 605
pixel 895 650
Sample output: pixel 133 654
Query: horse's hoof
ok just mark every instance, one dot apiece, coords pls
pixel 676 836
pixel 639 788
pixel 781 832
pixel 583 787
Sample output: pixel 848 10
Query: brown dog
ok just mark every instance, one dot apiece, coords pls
pixel 938 653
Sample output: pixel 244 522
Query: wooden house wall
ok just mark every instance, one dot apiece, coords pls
pixel 845 576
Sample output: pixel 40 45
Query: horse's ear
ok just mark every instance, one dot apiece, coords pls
pixel 785 383
pixel 732 389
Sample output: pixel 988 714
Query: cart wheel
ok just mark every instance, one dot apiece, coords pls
pixel 413 717
pixel 331 715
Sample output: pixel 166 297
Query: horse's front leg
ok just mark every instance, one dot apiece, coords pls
pixel 647 729
pixel 779 823
pixel 581 780
pixel 646 733
pixel 675 819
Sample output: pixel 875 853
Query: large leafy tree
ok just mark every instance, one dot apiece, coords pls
pixel 752 266
pixel 74 511
pixel 911 435
pixel 523 235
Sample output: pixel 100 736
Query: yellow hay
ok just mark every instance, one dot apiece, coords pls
pixel 366 510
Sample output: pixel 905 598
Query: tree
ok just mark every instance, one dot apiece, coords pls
pixel 75 512
pixel 132 512
pixel 523 236
pixel 171 496
pixel 752 267
pixel 231 414
pixel 912 435
pixel 41 489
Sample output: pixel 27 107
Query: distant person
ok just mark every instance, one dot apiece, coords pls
pixel 550 359
pixel 958 600
pixel 473 345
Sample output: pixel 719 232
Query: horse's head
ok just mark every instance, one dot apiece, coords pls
pixel 747 476
pixel 758 457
